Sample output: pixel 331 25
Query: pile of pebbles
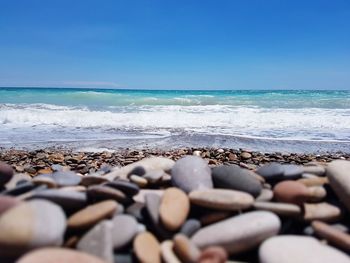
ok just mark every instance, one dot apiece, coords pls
pixel 160 210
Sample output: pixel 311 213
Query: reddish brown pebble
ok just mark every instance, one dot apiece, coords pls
pixel 7 202
pixel 147 248
pixel 213 254
pixel 92 214
pixel 58 255
pixel 332 235
pixel 291 192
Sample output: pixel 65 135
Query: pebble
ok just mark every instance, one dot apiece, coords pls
pixel 316 193
pixel 7 202
pixel 265 195
pixel 185 250
pixel 315 181
pixel 66 178
pixel 272 171
pixel 70 201
pixel 339 179
pixel 281 209
pixel 213 254
pixel 125 228
pixel 332 235
pixel 92 214
pixel 44 180
pixel 138 180
pixel 190 227
pixel 101 193
pixel 126 187
pixel 147 248
pixel 58 255
pixel 174 208
pixel 153 176
pixel 239 233
pixel 152 207
pixel 141 196
pixel 98 241
pixel 314 169
pixel 31 225
pixel 292 171
pixel 92 180
pixel 214 216
pixel 291 192
pixel 236 178
pixel 301 249
pixel 167 252
pixel 221 199
pixel 321 211
pixel 191 173
pixel 6 173
pixel 17 178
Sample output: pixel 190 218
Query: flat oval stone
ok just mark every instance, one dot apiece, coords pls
pixel 128 188
pixel 213 254
pixel 152 207
pixel 141 196
pixel 214 216
pixel 66 178
pixel 7 202
pixel 301 249
pixel 190 227
pixel 101 193
pixel 174 208
pixel 6 173
pixel 239 233
pixel 291 192
pixel 321 211
pixel 70 201
pixel 31 225
pixel 147 248
pixel 58 255
pixel 339 179
pixel 21 188
pixel 98 241
pixel 125 228
pixel 92 180
pixel 191 173
pixel 315 169
pixel 92 214
pixel 138 180
pixel 236 178
pixel 265 195
pixel 153 176
pixel 167 252
pixel 315 181
pixel 272 171
pixel 316 193
pixel 185 250
pixel 281 209
pixel 332 235
pixel 292 171
pixel 44 180
pixel 222 199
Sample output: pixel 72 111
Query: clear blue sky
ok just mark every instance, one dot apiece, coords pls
pixel 176 44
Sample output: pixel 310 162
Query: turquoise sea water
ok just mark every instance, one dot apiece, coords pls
pixel 44 116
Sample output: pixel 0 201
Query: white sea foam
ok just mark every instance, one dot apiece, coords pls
pixel 310 123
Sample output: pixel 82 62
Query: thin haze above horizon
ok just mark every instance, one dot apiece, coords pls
pixel 163 44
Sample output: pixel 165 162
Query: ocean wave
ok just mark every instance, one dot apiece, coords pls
pixel 311 123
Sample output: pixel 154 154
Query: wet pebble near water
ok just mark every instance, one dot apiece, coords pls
pixel 159 210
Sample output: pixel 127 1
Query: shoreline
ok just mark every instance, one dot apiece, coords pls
pixel 40 161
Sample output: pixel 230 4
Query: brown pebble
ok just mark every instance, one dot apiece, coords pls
pixel 321 211
pixel 174 208
pixel 147 248
pixel 92 214
pixel 291 192
pixel 186 251
pixel 214 254
pixel 167 252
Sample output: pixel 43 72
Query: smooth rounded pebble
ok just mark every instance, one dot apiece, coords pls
pixel 321 211
pixel 6 173
pixel 271 171
pixel 221 199
pixel 213 254
pixel 147 248
pixel 265 195
pixel 101 193
pixel 167 252
pixel 128 188
pixel 292 171
pixel 185 250
pixel 125 228
pixel 190 227
pixel 239 233
pixel 236 178
pixel 339 179
pixel 58 255
pixel 31 225
pixel 332 235
pixel 92 180
pixel 66 178
pixel 90 215
pixel 301 249
pixel 282 209
pixel 174 208
pixel 98 241
pixel 7 202
pixel 291 192
pixel 191 173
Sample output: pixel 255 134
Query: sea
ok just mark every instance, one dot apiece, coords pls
pixel 109 119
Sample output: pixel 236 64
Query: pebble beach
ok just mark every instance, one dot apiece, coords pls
pixel 207 205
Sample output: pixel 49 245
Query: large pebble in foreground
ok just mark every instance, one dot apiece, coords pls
pixel 239 233
pixel 191 173
pixel 338 173
pixel 58 255
pixel 30 225
pixel 301 249
pixel 236 178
